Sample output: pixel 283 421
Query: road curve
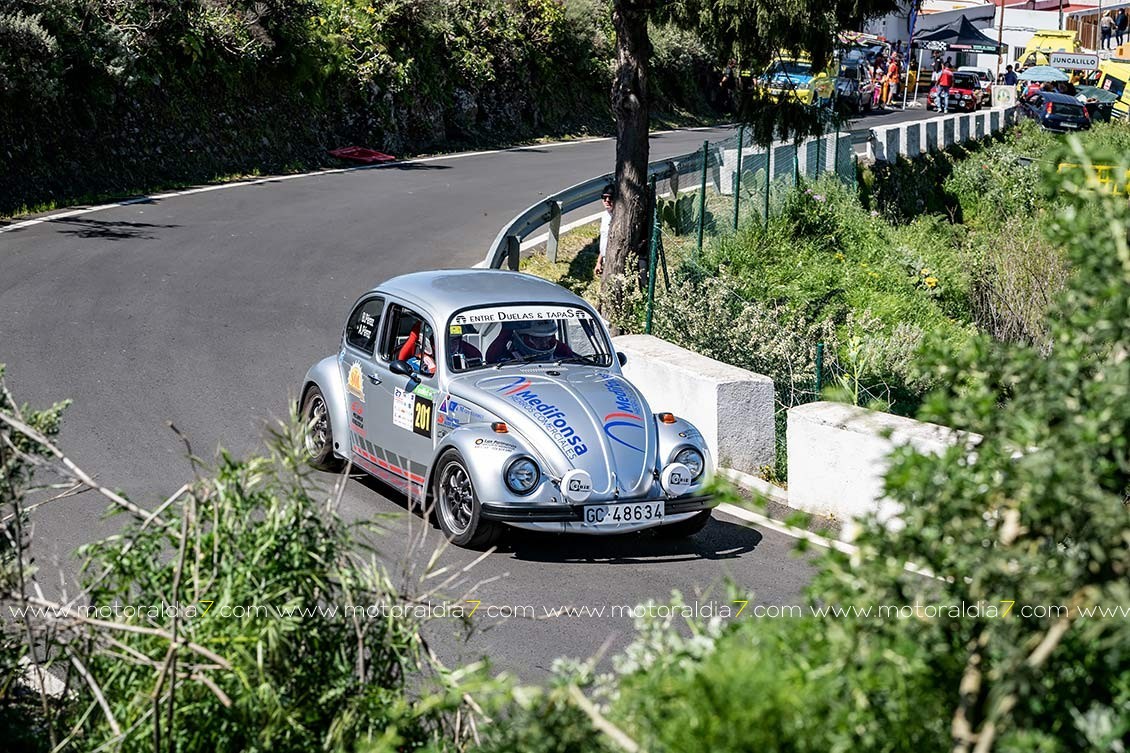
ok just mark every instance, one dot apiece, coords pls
pixel 205 310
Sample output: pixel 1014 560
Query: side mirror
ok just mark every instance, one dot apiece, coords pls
pixel 402 368
pixel 622 358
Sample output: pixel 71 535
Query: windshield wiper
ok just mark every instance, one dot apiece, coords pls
pixel 586 360
pixel 512 360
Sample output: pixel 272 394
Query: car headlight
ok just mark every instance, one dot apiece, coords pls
pixel 692 459
pixel 522 476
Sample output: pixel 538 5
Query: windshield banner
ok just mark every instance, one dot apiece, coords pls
pixel 519 314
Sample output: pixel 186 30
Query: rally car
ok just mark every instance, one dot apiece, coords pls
pixel 495 399
pixel 965 93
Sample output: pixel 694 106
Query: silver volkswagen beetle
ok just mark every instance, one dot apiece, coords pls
pixel 495 398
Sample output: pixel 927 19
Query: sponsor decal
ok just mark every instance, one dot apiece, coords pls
pixel 455 329
pixel 357 417
pixel 453 413
pixel 495 444
pixel 422 416
pixel 424 391
pixel 553 420
pixel 622 425
pixel 365 325
pixel 354 384
pixel 516 314
pixel 675 479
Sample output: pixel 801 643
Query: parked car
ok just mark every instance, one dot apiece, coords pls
pixel 855 89
pixel 985 77
pixel 1055 111
pixel 1099 102
pixel 496 398
pixel 965 93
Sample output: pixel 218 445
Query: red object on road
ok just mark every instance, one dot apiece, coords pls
pixel 361 154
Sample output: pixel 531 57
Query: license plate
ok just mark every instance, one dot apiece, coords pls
pixel 1070 125
pixel 626 514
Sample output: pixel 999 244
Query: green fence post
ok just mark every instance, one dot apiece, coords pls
pixel 738 175
pixel 702 193
pixel 819 368
pixel 796 166
pixel 820 155
pixel 836 157
pixel 653 248
pixel 768 180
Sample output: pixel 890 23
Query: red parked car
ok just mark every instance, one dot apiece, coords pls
pixel 965 93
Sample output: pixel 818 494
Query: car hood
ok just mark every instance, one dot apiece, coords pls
pixel 574 418
pixel 784 80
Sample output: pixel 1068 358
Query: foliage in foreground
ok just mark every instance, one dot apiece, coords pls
pixel 1027 532
pixel 216 620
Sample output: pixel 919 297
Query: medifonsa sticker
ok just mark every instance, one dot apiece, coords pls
pixel 518 314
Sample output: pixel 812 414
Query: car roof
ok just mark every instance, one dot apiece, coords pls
pixel 441 293
pixel 1062 98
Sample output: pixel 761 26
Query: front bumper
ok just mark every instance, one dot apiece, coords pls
pixel 574 513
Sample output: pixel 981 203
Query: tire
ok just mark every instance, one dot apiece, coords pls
pixel 317 432
pixel 684 528
pixel 457 509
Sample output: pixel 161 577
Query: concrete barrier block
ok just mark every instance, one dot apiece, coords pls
pixel 979 125
pixel 893 143
pixel 732 407
pixel 913 139
pixel 948 130
pixel 995 117
pixel 963 128
pixel 932 130
pixel 838 455
pixel 783 156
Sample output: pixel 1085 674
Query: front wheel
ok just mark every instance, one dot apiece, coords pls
pixel 684 528
pixel 317 432
pixel 457 507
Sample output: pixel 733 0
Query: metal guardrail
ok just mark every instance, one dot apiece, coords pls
pixel 505 249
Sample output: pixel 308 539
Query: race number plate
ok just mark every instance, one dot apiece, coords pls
pixel 611 516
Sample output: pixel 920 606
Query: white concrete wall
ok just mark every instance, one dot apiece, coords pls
pixel 838 455
pixel 910 139
pixel 732 407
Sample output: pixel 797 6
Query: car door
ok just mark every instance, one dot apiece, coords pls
pixel 403 408
pixel 358 373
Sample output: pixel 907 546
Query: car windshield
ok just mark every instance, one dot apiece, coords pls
pixel 790 68
pixel 1114 85
pixel 509 334
pixel 965 81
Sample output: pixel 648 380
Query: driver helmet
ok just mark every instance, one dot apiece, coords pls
pixel 537 338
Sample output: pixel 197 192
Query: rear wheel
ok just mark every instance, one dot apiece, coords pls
pixel 684 528
pixel 317 434
pixel 457 507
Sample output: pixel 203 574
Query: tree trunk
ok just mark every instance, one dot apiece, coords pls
pixel 628 233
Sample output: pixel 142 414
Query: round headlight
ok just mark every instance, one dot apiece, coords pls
pixel 692 459
pixel 522 476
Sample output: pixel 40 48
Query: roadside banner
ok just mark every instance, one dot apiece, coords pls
pixel 1004 96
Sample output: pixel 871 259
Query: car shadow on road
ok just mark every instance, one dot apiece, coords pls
pixel 720 540
pixel 108 230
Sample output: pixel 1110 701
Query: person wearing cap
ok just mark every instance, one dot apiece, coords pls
pixel 607 197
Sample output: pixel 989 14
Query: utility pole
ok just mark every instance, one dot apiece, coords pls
pixel 1061 15
pixel 1000 40
pixel 1098 27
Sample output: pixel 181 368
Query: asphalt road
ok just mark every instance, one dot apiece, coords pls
pixel 205 310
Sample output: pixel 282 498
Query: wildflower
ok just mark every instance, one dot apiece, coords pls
pixel 874 213
pixel 925 273
pixel 818 197
pixel 840 256
pixel 931 282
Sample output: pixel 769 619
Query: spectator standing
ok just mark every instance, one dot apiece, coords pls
pixel 729 84
pixel 894 73
pixel 1106 25
pixel 1121 21
pixel 945 81
pixel 1010 77
pixel 937 67
pixel 608 199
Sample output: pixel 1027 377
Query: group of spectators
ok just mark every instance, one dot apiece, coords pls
pixel 888 69
pixel 1113 25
